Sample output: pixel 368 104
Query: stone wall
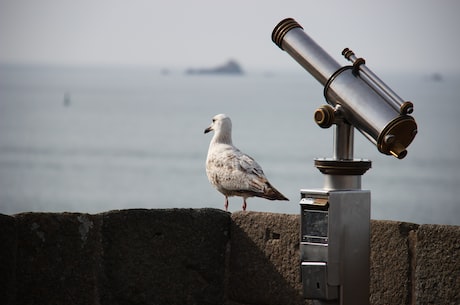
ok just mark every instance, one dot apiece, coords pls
pixel 204 256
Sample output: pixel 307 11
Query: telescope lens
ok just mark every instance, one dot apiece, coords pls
pixel 281 29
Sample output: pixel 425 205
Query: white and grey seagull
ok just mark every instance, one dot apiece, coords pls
pixel 232 172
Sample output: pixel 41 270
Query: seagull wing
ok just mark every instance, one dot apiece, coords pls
pixel 243 173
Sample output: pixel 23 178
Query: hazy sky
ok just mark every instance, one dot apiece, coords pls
pixel 389 34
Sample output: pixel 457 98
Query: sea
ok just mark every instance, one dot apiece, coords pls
pixel 95 139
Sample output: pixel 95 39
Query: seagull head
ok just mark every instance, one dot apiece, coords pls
pixel 220 122
pixel 222 126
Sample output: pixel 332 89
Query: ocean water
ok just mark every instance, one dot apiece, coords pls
pixel 96 139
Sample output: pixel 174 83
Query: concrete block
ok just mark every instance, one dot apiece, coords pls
pixel 58 258
pixel 8 246
pixel 438 265
pixel 391 257
pixel 264 259
pixel 205 256
pixel 174 256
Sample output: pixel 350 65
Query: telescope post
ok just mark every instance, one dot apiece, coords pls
pixel 343 141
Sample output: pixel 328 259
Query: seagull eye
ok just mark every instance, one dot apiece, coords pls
pixel 213 120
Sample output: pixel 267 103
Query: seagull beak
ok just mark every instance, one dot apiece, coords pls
pixel 208 129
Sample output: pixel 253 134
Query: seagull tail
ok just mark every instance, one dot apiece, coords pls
pixel 272 193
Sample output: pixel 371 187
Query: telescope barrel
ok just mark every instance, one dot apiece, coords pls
pixel 290 37
pixel 366 102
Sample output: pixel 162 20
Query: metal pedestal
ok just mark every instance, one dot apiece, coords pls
pixel 335 229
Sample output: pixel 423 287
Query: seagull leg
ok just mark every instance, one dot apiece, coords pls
pixel 226 203
pixel 244 204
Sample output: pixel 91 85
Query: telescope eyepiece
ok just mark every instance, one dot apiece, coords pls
pixel 397 136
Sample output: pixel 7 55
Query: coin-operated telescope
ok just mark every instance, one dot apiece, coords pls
pixel 335 220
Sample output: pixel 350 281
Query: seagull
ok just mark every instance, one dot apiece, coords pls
pixel 232 172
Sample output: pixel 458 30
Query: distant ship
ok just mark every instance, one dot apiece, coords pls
pixel 436 77
pixel 230 68
pixel 66 101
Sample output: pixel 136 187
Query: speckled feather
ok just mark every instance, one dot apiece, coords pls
pixel 232 172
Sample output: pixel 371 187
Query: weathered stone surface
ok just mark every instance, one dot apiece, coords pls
pixel 438 265
pixel 165 256
pixel 58 258
pixel 264 259
pixel 182 256
pixel 390 272
pixel 8 245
